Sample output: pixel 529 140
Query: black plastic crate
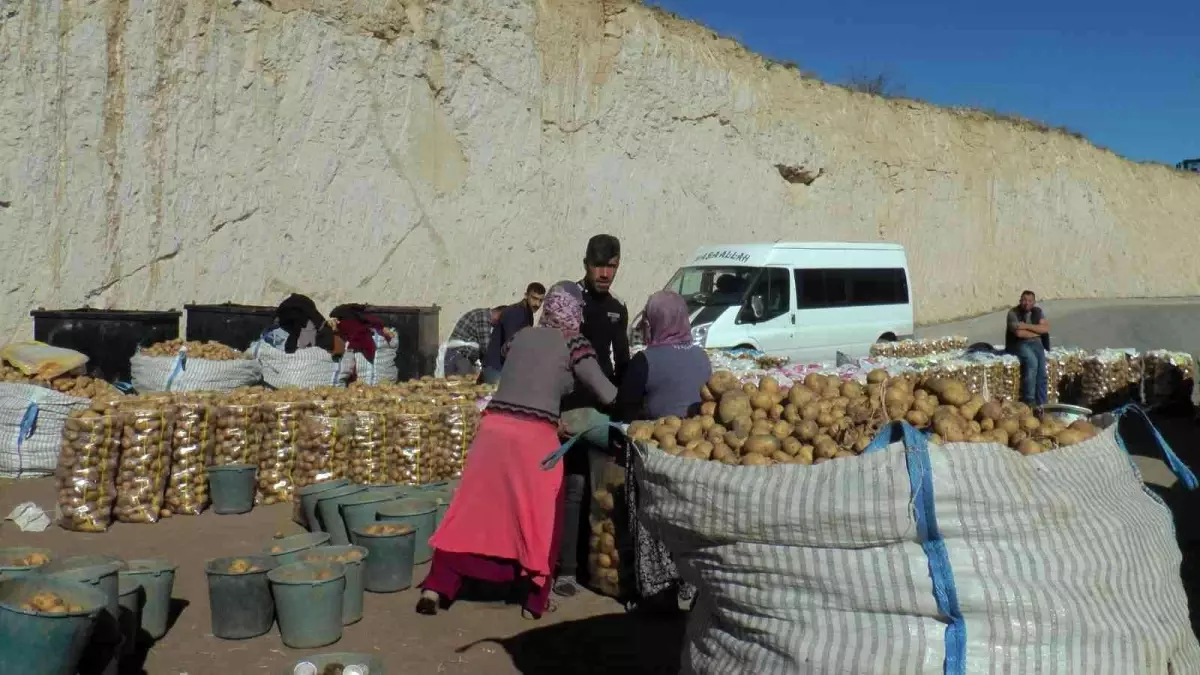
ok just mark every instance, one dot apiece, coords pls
pixel 417 335
pixel 234 325
pixel 109 337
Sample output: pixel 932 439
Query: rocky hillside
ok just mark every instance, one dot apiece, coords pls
pixel 158 152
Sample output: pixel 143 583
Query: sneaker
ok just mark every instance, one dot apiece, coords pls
pixel 567 587
pixel 428 604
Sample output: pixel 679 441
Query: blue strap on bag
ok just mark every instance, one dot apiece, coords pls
pixel 179 366
pixel 552 459
pixel 1178 467
pixel 920 483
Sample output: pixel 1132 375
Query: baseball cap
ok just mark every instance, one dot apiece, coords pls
pixel 602 248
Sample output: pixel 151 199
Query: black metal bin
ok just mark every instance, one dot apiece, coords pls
pixel 234 325
pixel 109 337
pixel 417 334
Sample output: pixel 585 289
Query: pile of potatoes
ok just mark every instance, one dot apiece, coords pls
pixel 145 464
pixel 81 386
pixel 825 418
pixel 918 348
pixel 193 440
pixel 86 475
pixel 47 602
pixel 209 351
pixel 609 560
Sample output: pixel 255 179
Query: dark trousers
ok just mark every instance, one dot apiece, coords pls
pixel 575 527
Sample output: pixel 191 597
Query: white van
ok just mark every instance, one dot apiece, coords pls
pixel 805 301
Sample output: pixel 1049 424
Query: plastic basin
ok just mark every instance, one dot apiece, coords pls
pixel 308 602
pixel 131 597
pixel 418 513
pixel 373 663
pixel 10 561
pixel 287 550
pixel 308 496
pixel 330 515
pixel 231 488
pixel 389 564
pixel 359 510
pixel 241 603
pixel 157 577
pixel 352 601
pixel 34 642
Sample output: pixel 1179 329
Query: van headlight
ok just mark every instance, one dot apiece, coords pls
pixel 700 334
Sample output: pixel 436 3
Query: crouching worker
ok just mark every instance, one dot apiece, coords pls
pixel 299 325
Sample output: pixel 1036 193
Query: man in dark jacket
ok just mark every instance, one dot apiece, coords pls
pixel 511 320
pixel 1027 336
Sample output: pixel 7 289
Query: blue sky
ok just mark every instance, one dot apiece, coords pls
pixel 1126 75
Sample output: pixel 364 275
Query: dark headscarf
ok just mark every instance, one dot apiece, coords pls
pixel 357 328
pixel 666 320
pixel 293 314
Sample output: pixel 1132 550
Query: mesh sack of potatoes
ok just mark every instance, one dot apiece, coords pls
pixel 408 441
pixel 193 441
pixel 145 466
pixel 1169 376
pixel 369 448
pixel 237 433
pixel 87 470
pixel 278 423
pixel 323 449
pixel 1064 375
pixel 452 428
pixel 610 558
pixel 1111 378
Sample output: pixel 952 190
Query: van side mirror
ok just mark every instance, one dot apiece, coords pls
pixel 756 307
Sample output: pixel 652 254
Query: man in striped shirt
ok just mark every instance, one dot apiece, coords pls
pixel 475 328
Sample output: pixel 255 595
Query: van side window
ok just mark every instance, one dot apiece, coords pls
pixel 823 288
pixel 774 288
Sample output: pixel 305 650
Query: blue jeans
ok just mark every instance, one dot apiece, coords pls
pixel 1033 372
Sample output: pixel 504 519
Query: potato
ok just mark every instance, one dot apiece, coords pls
pixel 755 459
pixel 761 428
pixel 768 385
pixel 987 424
pixel 917 418
pixel 704 449
pixel 799 396
pixel 949 391
pixel 641 431
pixel 721 382
pixel 735 440
pixel 877 376
pixel 1071 437
pixel 733 405
pixel 708 408
pixel 1010 425
pixel 87 469
pixel 1030 447
pixel 689 430
pixel 991 410
pixel 721 452
pixel 815 382
pixel 1084 426
pixel 807 430
pixel 707 395
pixel 762 444
pixel 1029 423
pixel 971 408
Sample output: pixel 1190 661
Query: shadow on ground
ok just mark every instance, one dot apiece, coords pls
pixel 613 643
pixel 135 663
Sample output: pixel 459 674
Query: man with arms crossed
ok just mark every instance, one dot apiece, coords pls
pixel 1028 338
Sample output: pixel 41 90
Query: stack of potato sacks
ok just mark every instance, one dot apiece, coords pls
pixel 825 418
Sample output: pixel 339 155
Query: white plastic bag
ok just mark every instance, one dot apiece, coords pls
pixel 180 373
pixel 962 559
pixel 439 370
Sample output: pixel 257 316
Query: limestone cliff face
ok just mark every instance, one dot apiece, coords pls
pixel 158 152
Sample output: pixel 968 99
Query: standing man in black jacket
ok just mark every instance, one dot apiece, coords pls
pixel 605 325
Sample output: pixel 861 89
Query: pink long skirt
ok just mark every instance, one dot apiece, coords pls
pixel 507 510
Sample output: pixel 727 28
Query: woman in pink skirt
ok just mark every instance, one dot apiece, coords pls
pixel 504 521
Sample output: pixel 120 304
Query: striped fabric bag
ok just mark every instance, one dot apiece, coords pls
pixel 180 373
pixel 964 559
pixel 32 419
pixel 308 367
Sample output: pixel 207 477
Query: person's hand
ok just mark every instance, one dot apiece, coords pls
pixel 563 432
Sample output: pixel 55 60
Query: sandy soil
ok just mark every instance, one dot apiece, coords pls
pixel 588 634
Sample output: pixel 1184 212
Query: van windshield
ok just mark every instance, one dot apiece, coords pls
pixel 712 286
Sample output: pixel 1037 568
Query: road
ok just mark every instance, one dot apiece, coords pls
pixel 1091 324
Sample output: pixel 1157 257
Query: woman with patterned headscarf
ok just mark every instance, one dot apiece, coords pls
pixel 663 380
pixel 503 524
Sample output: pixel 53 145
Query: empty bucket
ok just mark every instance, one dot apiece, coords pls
pixel 22 560
pixel 287 550
pixel 329 514
pixel 37 641
pixel 308 496
pixel 351 557
pixel 131 597
pixel 308 602
pixel 442 499
pixel 239 596
pixel 157 577
pixel 329 662
pixel 231 488
pixel 418 513
pixel 360 509
pixel 389 564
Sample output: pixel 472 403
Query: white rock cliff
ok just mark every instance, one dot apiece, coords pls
pixel 159 152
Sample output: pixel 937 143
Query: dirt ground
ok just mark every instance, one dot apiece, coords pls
pixel 588 634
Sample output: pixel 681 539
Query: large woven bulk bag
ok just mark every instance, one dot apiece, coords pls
pixel 308 367
pixel 32 419
pixel 961 559
pixel 181 373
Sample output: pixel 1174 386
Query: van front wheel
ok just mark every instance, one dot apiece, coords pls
pixel 886 337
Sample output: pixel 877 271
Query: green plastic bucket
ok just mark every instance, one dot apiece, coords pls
pixel 231 488
pixel 35 642
pixel 241 604
pixel 389 564
pixel 287 550
pixel 418 513
pixel 131 597
pixel 99 571
pixel 319 663
pixel 309 495
pixel 396 490
pixel 352 601
pixel 359 510
pixel 308 602
pixel 433 487
pixel 157 577
pixel 329 514
pixel 442 499
pixel 14 563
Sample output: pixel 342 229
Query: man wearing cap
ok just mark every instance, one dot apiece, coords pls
pixel 605 325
